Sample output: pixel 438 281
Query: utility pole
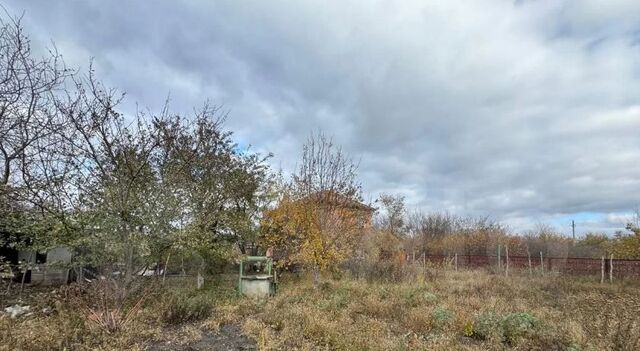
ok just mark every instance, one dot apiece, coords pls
pixel 573 229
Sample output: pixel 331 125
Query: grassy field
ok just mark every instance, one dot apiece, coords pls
pixel 469 310
pixel 444 310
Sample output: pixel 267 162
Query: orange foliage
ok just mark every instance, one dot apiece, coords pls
pixel 313 233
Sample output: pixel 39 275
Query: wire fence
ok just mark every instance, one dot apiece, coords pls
pixel 568 265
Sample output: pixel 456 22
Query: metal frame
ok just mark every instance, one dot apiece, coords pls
pixel 249 259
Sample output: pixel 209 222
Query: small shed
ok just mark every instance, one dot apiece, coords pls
pixel 45 268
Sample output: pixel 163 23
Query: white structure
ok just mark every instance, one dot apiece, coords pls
pixel 52 270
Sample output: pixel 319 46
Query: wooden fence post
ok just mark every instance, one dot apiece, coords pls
pixel 453 260
pixel 456 261
pixel 506 251
pixel 602 271
pixel 611 268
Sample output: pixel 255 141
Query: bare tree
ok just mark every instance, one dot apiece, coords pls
pixel 28 122
pixel 326 171
pixel 393 215
pixel 633 223
pixel 427 227
pixel 27 100
pixel 327 185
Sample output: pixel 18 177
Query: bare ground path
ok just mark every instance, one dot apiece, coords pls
pixel 228 337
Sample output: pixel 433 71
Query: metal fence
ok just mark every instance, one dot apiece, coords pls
pixel 568 265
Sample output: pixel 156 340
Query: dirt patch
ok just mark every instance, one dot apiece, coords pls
pixel 228 338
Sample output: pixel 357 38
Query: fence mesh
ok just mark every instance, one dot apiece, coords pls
pixel 568 265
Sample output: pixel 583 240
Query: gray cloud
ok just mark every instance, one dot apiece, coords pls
pixel 524 111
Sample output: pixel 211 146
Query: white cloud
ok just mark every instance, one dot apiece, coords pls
pixel 521 110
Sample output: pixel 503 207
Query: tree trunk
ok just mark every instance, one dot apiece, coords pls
pixel 129 264
pixel 10 280
pixel 316 278
pixel 24 274
pixel 128 252
pixel 200 278
pixel 164 269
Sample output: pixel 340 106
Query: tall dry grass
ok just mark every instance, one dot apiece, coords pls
pixel 434 309
pixel 446 310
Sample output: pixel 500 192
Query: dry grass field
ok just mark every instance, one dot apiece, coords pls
pixel 442 310
pixel 468 310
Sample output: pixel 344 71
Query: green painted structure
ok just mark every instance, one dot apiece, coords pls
pixel 259 285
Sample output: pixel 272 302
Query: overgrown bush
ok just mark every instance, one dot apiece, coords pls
pixel 615 322
pixel 64 329
pixel 415 295
pixel 486 327
pixel 517 326
pixel 510 329
pixel 441 317
pixel 381 269
pixel 178 308
pixel 430 297
pixel 110 304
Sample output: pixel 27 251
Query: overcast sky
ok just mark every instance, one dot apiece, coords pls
pixel 526 111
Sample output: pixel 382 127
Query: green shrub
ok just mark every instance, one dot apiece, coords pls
pixel 334 302
pixel 510 328
pixel 517 326
pixel 441 317
pixel 487 326
pixel 574 347
pixel 430 297
pixel 337 274
pixel 325 286
pixel 178 308
pixel 414 295
pixel 384 293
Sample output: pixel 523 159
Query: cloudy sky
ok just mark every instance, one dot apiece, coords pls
pixel 526 111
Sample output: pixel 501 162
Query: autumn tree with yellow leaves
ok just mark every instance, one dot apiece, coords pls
pixel 320 217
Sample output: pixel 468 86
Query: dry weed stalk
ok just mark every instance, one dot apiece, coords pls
pixel 117 304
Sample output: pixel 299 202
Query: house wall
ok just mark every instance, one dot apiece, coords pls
pixel 53 272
